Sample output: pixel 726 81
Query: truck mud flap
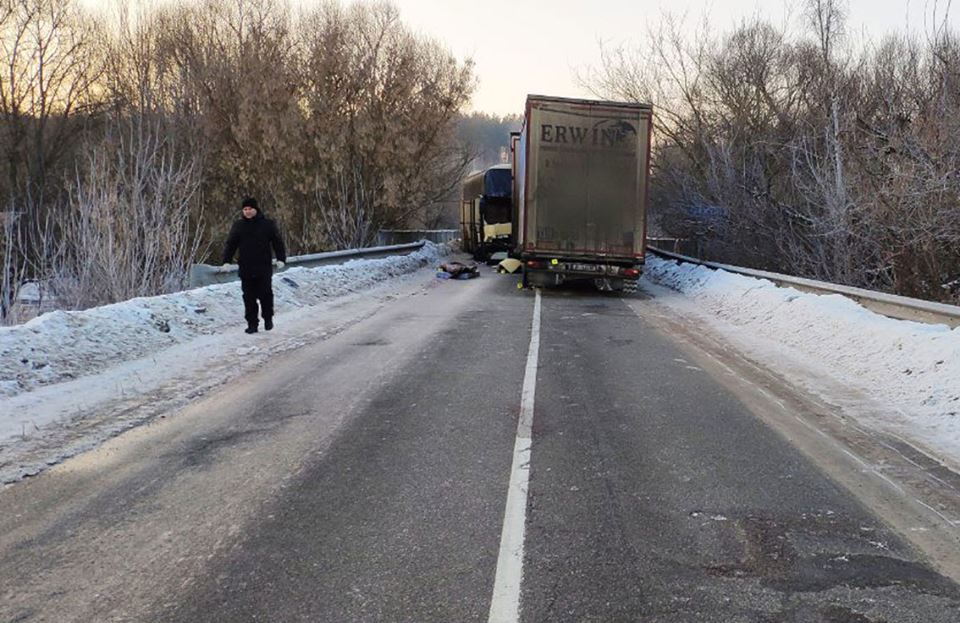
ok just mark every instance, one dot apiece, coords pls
pixel 605 284
pixel 623 286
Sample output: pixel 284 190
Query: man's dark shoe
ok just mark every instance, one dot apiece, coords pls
pixel 251 329
pixel 268 323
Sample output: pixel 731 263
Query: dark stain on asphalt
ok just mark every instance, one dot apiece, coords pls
pixel 202 451
pixel 772 549
pixel 839 614
pixel 374 342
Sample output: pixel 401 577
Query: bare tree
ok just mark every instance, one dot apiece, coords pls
pixel 128 231
pixel 381 106
pixel 12 263
pixel 236 60
pixel 347 212
pixel 341 120
pixel 47 67
pixel 796 152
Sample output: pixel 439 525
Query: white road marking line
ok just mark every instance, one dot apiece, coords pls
pixel 890 481
pixel 951 522
pixel 505 605
pixel 856 458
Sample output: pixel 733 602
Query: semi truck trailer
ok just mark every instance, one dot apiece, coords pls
pixel 581 172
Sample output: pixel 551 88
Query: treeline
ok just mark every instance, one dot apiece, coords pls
pixel 489 136
pixel 806 153
pixel 129 137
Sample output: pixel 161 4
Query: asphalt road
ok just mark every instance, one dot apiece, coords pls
pixel 656 495
pixel 364 478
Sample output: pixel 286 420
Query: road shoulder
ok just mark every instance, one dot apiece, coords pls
pixel 905 483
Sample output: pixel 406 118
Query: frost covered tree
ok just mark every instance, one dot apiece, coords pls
pixel 800 152
pixel 339 118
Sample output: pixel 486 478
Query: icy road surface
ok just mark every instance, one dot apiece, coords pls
pixel 355 465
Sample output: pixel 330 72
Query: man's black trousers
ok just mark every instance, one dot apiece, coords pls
pixel 257 289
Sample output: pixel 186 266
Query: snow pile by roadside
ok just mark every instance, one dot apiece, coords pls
pixel 911 367
pixel 60 346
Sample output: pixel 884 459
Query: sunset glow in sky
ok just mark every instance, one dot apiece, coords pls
pixel 537 46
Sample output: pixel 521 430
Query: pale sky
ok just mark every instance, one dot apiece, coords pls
pixel 535 46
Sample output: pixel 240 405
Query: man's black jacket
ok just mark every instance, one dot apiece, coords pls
pixel 254 237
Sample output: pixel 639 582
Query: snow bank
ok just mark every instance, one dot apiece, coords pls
pixel 911 367
pixel 60 346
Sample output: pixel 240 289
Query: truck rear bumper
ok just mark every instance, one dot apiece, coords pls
pixel 576 268
pixel 619 276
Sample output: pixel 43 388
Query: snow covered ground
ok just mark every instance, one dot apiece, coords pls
pixel 68 380
pixel 904 376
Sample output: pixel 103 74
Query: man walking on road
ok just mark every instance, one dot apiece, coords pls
pixel 254 235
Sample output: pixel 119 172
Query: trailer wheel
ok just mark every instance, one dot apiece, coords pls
pixel 605 284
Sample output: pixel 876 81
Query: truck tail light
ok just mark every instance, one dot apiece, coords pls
pixel 632 273
pixel 536 264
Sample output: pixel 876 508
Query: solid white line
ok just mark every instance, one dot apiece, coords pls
pixel 951 522
pixel 505 605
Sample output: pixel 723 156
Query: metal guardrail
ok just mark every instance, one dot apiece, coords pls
pixel 402 236
pixel 891 305
pixel 205 274
pixel 684 246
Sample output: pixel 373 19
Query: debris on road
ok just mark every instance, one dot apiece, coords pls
pixel 458 270
pixel 509 266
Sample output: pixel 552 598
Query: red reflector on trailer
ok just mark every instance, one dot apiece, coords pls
pixel 631 272
pixel 535 264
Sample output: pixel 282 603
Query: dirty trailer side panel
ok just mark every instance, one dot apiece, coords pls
pixel 586 179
